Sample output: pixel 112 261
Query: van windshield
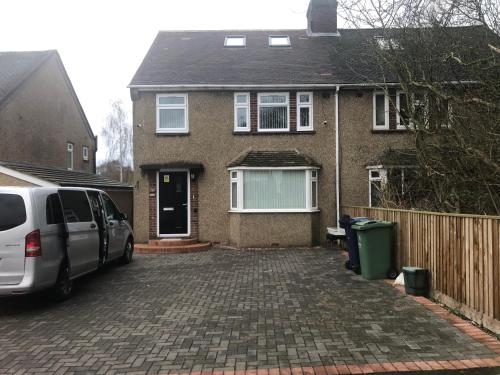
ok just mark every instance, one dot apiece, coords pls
pixel 12 211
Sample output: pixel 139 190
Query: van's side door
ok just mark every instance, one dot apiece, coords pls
pixel 116 227
pixel 83 235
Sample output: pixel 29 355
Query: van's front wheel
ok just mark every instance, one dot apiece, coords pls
pixel 64 285
pixel 128 252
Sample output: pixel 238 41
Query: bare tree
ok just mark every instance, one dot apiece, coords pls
pixel 117 136
pixel 450 77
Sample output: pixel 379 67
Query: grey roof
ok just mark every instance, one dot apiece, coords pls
pixel 15 67
pixel 63 177
pixel 200 58
pixel 268 158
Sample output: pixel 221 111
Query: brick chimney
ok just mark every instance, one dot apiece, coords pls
pixel 322 18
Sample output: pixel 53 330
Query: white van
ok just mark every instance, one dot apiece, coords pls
pixel 50 236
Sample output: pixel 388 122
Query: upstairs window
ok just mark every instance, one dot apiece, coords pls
pixel 85 153
pixel 241 111
pixel 235 41
pixel 279 41
pixel 402 114
pixel 172 113
pixel 380 111
pixel 274 112
pixel 304 111
pixel 69 156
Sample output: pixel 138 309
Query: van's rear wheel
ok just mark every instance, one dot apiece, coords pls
pixel 128 253
pixel 64 285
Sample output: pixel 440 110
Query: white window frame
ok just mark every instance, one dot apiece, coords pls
pixel 70 149
pixel 184 106
pixel 309 105
pixel 85 153
pixel 240 171
pixel 313 175
pixel 288 45
pixel 235 37
pixel 386 109
pixel 382 177
pixel 238 106
pixel 400 126
pixel 259 105
pixel 236 176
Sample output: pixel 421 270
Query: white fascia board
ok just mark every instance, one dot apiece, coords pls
pixel 319 86
pixel 26 177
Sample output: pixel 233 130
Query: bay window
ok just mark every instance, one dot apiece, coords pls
pixel 274 190
pixel 304 111
pixel 274 112
pixel 172 113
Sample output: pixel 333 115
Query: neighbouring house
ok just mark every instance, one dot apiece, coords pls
pixel 45 138
pixel 41 119
pixel 235 132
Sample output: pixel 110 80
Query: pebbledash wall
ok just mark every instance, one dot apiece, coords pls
pixel 360 145
pixel 212 142
pixel 40 119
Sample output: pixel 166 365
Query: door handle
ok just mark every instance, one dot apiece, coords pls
pixel 184 204
pixel 92 226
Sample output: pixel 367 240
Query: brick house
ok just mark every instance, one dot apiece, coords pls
pixel 236 132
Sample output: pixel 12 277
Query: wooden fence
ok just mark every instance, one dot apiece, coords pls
pixel 462 253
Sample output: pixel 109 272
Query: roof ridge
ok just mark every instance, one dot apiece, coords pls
pixel 225 30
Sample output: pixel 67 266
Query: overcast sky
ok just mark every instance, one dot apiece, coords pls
pixel 102 42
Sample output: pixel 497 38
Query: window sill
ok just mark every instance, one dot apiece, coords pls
pixel 273 211
pixel 304 132
pixel 167 134
pixel 382 131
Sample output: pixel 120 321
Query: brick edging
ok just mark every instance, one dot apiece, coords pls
pixel 371 368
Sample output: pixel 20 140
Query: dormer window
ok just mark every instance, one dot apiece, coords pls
pixel 386 43
pixel 235 41
pixel 279 41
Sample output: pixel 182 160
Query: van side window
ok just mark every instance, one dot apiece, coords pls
pixel 76 206
pixel 112 213
pixel 12 211
pixel 53 209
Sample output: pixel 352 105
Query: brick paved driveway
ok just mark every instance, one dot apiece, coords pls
pixel 224 310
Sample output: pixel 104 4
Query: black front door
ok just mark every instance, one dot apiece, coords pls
pixel 173 203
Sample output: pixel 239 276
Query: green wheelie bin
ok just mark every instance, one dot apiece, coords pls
pixel 375 248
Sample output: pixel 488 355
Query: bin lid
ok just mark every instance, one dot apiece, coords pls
pixel 355 220
pixel 372 224
pixel 413 269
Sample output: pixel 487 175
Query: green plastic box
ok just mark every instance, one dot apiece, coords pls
pixel 416 281
pixel 375 248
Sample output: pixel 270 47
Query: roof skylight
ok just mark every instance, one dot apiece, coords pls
pixel 279 41
pixel 235 41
